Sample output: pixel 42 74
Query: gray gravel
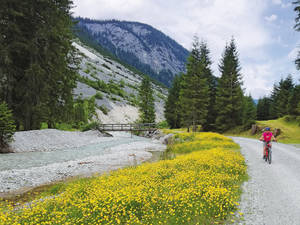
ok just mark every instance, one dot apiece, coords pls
pixel 272 194
pixel 52 140
pixel 50 155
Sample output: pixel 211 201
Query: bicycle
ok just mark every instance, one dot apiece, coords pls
pixel 268 156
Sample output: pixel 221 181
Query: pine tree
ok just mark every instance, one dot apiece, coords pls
pixel 194 94
pixel 212 84
pixel 297 27
pixel 172 106
pixel 249 112
pixel 286 87
pixel 263 109
pixel 274 102
pixel 294 101
pixel 7 127
pixel 37 62
pixel 146 103
pixel 229 99
pixel 280 97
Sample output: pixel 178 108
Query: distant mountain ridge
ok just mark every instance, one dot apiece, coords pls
pixel 137 44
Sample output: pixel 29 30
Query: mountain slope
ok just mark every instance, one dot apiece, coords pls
pixel 137 44
pixel 114 86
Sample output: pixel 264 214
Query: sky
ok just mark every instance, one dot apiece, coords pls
pixel 263 29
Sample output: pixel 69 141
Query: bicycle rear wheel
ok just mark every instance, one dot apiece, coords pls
pixel 270 156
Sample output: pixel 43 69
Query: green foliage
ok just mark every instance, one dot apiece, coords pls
pixel 122 83
pixel 106 66
pixel 146 102
pixel 263 108
pixel 297 27
pixel 284 100
pixel 67 126
pixel 110 88
pixel 249 112
pixel 38 63
pixel 90 126
pixel 99 95
pixel 87 70
pixel 83 111
pixel 173 107
pixel 229 99
pixel 163 125
pixel 133 99
pixel 7 126
pixel 103 108
pixel 283 95
pixel 294 101
pixel 194 92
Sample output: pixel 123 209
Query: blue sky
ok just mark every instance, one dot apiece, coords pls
pixel 263 29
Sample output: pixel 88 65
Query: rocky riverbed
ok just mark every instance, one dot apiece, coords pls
pixel 44 156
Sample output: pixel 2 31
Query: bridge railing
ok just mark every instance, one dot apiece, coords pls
pixel 127 127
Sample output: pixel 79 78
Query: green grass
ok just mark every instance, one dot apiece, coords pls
pixel 290 130
pixel 60 126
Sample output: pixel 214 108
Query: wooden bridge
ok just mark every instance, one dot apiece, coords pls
pixel 127 127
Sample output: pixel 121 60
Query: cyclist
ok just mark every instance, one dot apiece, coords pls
pixel 266 137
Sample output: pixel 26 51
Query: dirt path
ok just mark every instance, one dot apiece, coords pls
pixel 272 194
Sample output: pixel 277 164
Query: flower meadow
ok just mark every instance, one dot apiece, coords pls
pixel 201 185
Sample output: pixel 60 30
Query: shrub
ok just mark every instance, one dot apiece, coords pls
pixel 104 109
pixel 163 124
pixel 99 95
pixel 90 126
pixel 7 126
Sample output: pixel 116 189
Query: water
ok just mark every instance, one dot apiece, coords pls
pixel 31 169
pixel 36 159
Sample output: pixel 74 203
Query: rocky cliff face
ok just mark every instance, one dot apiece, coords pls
pixel 114 86
pixel 139 45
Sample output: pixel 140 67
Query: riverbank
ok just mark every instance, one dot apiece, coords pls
pixel 38 162
pixel 201 185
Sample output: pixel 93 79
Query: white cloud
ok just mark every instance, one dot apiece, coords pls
pixel 277 2
pixel 258 79
pixel 271 18
pixel 293 54
pixel 280 2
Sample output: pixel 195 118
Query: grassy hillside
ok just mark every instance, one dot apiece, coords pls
pixel 290 130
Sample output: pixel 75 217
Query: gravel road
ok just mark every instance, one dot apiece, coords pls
pixel 272 194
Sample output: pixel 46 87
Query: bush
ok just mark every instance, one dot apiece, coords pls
pixel 99 95
pixel 103 109
pixel 90 126
pixel 163 124
pixel 7 126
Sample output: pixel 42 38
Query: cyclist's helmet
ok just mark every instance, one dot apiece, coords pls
pixel 267 129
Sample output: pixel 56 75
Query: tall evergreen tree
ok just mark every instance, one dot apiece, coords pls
pixel 7 126
pixel 229 99
pixel 37 62
pixel 280 97
pixel 286 87
pixel 172 106
pixel 297 27
pixel 274 102
pixel 294 101
pixel 212 84
pixel 263 108
pixel 194 94
pixel 249 112
pixel 146 105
